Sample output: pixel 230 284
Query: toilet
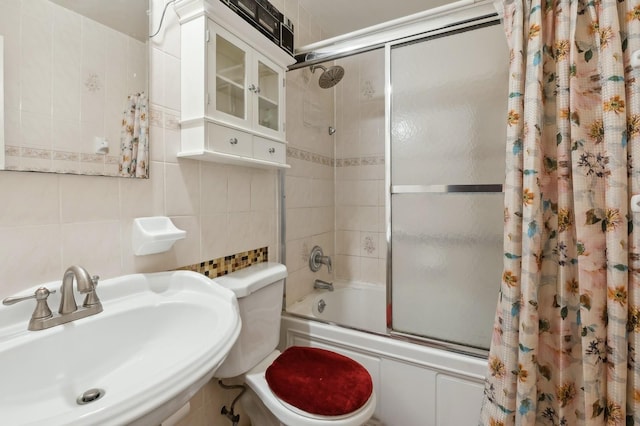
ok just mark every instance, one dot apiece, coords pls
pixel 275 394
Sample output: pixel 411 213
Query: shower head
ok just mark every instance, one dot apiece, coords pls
pixel 330 76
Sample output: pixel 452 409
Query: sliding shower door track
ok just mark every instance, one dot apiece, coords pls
pixel 440 189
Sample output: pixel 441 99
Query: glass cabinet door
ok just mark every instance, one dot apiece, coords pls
pixel 268 97
pixel 230 74
pixel 245 88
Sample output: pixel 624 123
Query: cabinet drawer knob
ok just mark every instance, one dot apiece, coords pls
pixel 272 150
pixel 233 141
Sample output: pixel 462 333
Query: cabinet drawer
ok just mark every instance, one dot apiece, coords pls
pixel 264 149
pixel 229 141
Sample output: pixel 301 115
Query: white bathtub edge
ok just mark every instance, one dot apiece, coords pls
pixel 459 365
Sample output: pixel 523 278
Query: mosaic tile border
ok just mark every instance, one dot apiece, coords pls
pixel 224 265
pixel 300 154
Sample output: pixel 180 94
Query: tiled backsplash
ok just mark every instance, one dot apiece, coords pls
pixel 224 265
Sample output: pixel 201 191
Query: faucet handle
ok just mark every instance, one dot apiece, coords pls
pixel 42 310
pixel 91 299
pixel 40 293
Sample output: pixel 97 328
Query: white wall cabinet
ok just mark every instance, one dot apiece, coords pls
pixel 233 88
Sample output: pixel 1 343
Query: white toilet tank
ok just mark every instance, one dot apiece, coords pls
pixel 259 291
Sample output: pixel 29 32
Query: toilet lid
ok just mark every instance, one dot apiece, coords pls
pixel 319 381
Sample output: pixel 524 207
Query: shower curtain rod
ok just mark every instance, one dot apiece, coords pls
pixel 377 36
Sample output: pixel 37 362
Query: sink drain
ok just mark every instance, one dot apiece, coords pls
pixel 90 396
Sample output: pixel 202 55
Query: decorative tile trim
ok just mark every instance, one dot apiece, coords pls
pixel 66 156
pixel 171 121
pixel 12 150
pixel 43 154
pixel 367 89
pixel 369 245
pixel 360 161
pixel 224 265
pixel 72 157
pixel 155 116
pixel 111 159
pixel 300 154
pixel 93 83
pixel 91 158
pixel 164 118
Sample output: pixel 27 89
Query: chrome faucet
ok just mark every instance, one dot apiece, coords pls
pixel 317 259
pixel 42 316
pixel 323 285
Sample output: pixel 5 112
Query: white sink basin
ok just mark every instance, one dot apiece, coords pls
pixel 159 338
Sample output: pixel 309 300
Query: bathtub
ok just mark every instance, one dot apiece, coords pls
pixel 415 384
pixel 353 304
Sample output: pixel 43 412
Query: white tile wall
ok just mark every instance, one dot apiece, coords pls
pixel 360 191
pixel 344 202
pixel 182 187
pixel 309 185
pixel 30 255
pixel 49 221
pixel 68 78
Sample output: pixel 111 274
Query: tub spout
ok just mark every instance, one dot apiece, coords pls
pixel 323 285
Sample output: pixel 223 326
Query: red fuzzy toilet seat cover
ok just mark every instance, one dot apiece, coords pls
pixel 319 381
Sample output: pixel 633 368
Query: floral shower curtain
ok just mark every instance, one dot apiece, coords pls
pixel 134 138
pixel 565 342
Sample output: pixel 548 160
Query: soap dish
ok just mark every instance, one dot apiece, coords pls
pixel 155 234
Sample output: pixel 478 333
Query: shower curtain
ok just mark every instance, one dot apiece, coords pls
pixel 134 138
pixel 565 341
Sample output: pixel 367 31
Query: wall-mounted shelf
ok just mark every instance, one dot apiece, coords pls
pixel 219 157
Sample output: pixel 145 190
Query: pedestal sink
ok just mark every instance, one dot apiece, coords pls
pixel 160 337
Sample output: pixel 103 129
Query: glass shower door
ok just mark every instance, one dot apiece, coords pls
pixel 447 119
